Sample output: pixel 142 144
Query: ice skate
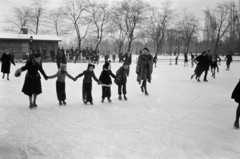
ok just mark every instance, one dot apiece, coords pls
pixel 60 102
pixel 192 76
pixel 102 100
pixel 236 125
pixel 125 97
pixel 31 106
pixel 64 103
pixel 91 103
pixel 119 97
pixel 205 80
pixel 199 80
pixel 34 105
pixel 142 89
pixel 109 100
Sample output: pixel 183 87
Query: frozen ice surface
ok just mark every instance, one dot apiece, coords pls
pixel 180 119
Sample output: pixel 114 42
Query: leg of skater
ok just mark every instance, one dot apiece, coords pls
pixel 30 102
pixel 103 93
pixel 63 94
pixel 58 89
pixel 34 100
pixel 89 94
pixel 3 75
pixel 236 123
pixel 7 76
pixel 120 91
pixel 109 94
pixel 124 91
pixel 145 87
pixel 143 84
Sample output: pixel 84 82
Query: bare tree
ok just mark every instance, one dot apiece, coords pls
pixel 38 16
pixel 19 20
pixel 159 22
pixel 134 12
pixel 188 26
pixel 57 20
pixel 116 27
pixel 75 11
pixel 219 17
pixel 99 18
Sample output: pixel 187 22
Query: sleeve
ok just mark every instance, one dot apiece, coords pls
pixel 94 77
pixel 24 68
pixel 69 76
pixel 42 72
pixel 53 76
pixel 12 61
pixel 80 75
pixel 111 74
pixel 150 63
pixel 138 65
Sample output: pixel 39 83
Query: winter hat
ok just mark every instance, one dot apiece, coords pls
pixel 91 65
pixel 146 49
pixel 106 65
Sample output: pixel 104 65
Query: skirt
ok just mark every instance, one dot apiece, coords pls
pixel 32 85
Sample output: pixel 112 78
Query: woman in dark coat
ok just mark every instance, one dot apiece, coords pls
pixel 32 84
pixel 236 97
pixel 200 66
pixel 6 63
pixel 144 69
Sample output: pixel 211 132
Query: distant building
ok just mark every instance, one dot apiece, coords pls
pixel 20 44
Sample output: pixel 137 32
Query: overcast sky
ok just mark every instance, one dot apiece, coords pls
pixel 195 6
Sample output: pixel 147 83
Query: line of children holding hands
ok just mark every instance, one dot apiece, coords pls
pixel 105 80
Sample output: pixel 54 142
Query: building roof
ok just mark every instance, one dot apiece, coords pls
pixel 27 37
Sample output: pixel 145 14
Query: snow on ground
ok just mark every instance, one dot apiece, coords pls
pixel 180 118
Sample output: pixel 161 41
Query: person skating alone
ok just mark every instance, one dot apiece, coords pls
pixel 105 81
pixel 121 80
pixel 60 83
pixel 207 63
pixel 228 61
pixel 155 59
pixel 6 63
pixel 185 60
pixel 144 69
pixel 87 83
pixel 236 97
pixel 32 85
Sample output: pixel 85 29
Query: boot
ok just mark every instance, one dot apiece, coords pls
pixel 34 104
pixel 109 100
pixel 236 125
pixel 120 97
pixel 125 97
pixel 146 93
pixel 64 103
pixel 102 100
pixel 60 102
pixel 31 106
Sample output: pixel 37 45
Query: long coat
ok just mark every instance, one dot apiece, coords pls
pixel 32 83
pixel 144 68
pixel 6 63
pixel 127 58
pixel 236 93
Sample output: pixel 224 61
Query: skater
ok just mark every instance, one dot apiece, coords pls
pixel 60 83
pixel 6 63
pixel 144 69
pixel 185 60
pixel 236 97
pixel 121 80
pixel 207 63
pixel 105 81
pixel 192 59
pixel 76 56
pixel 155 59
pixel 200 66
pixel 228 61
pixel 32 84
pixel 176 59
pixel 87 83
pixel 58 59
pixel 214 65
pixel 128 58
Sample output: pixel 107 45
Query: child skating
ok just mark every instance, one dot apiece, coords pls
pixel 87 83
pixel 121 80
pixel 60 83
pixel 105 81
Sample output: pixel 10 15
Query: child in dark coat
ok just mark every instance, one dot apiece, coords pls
pixel 106 81
pixel 87 83
pixel 121 77
pixel 236 97
pixel 60 83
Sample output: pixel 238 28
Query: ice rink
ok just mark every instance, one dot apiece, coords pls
pixel 180 119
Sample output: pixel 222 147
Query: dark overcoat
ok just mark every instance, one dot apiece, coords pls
pixel 6 63
pixel 236 93
pixel 144 68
